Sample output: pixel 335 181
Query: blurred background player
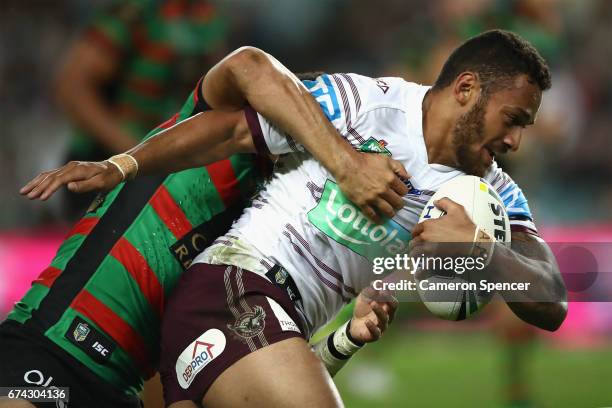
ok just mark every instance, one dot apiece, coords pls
pixel 129 70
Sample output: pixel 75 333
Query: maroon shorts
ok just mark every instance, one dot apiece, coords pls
pixel 216 315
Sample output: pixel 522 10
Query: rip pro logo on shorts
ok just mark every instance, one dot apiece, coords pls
pixel 198 355
pixel 342 221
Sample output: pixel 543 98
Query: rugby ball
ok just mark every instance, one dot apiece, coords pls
pixel 457 294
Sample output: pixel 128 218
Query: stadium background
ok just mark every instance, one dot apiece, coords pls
pixel 563 166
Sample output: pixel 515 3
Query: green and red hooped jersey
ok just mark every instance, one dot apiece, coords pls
pixel 102 297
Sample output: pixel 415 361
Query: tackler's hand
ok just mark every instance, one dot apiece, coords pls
pixel 375 183
pixel 78 176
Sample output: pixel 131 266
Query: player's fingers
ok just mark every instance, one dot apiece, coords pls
pixel 394 199
pixel 384 208
pixel 29 186
pixel 374 330
pixel 73 173
pixel 418 230
pixel 41 186
pixel 369 212
pixel 37 186
pixel 32 184
pixel 447 205
pixel 383 317
pixel 400 170
pixel 391 308
pixel 399 187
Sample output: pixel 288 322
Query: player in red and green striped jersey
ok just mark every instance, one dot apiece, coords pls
pixel 101 299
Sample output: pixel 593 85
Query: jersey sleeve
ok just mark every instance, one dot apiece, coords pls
pixel 342 98
pixel 517 207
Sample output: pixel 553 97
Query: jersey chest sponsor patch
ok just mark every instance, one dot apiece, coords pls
pixel 198 355
pixel 342 221
pixel 375 146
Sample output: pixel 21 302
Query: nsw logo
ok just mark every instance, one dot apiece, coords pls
pixel 198 355
pixel 375 146
pixel 80 332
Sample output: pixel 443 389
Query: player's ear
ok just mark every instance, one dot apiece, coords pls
pixel 466 87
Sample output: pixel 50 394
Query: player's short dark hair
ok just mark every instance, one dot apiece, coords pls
pixel 496 56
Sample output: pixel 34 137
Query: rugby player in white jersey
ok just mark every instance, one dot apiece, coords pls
pixel 302 236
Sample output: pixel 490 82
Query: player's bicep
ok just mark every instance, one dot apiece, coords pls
pixel 218 88
pixel 221 86
pixel 531 246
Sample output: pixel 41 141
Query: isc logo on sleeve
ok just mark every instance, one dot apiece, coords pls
pixel 198 355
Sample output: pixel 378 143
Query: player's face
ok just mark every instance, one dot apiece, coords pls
pixel 494 125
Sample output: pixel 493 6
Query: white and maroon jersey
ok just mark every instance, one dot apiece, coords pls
pixel 302 221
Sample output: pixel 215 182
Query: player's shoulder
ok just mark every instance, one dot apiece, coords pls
pixel 512 195
pixel 380 92
pixel 497 177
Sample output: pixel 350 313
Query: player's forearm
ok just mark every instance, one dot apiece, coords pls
pixel 80 100
pixel 543 304
pixel 198 141
pixel 251 76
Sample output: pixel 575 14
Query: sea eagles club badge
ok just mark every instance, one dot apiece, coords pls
pixel 249 324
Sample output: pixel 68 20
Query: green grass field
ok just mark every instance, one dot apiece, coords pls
pixel 467 370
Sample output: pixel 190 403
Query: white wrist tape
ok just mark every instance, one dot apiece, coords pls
pixel 483 245
pixel 343 343
pixel 336 349
pixel 126 164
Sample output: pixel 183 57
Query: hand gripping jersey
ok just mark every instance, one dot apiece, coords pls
pixel 304 223
pixel 102 297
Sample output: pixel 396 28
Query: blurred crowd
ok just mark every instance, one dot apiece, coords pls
pixel 563 165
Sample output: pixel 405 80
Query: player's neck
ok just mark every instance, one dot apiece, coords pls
pixel 438 129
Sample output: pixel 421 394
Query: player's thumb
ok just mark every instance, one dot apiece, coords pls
pixel 445 204
pixel 81 186
pixel 74 186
